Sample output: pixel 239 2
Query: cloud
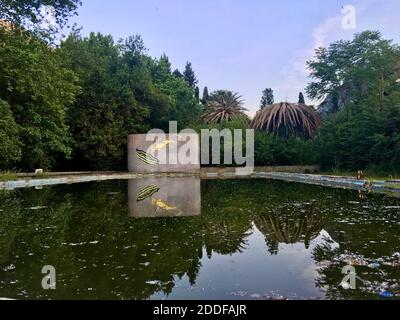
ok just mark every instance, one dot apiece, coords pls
pixel 324 31
pixel 295 75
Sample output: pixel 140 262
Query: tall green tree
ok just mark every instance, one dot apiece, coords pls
pixel 205 95
pixel 267 98
pixel 301 98
pixel 362 66
pixel 189 75
pixel 183 105
pixel 10 144
pixel 38 88
pixel 224 106
pixel 197 94
pixel 177 73
pixel 32 13
pixel 115 98
pixel 365 132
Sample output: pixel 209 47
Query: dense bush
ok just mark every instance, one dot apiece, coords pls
pixel 270 150
pixel 72 107
pixel 36 88
pixel 365 132
pixel 362 136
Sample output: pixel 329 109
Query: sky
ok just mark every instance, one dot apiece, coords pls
pixel 240 45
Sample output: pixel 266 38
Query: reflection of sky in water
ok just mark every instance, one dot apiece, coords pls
pixel 286 274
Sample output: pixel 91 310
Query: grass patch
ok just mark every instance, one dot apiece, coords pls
pixel 15 175
pixel 8 176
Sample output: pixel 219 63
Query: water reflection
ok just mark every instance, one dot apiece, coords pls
pixel 288 226
pixel 164 197
pixel 101 252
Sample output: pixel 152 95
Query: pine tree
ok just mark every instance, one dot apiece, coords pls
pixel 177 73
pixel 205 95
pixel 267 98
pixel 189 75
pixel 301 98
pixel 164 61
pixel 197 94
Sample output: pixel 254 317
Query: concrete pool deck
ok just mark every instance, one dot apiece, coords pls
pixel 289 174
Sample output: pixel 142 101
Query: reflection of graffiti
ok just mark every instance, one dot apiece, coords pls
pixel 161 204
pixel 284 228
pixel 147 192
pixel 146 158
pixel 164 197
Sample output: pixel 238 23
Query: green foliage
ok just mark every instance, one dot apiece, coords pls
pixel 107 108
pixel 38 88
pixel 271 150
pixel 365 65
pixel 267 98
pixel 183 105
pixel 287 119
pixel 123 91
pixel 205 95
pixel 365 132
pixel 32 13
pixel 10 145
pixel 80 101
pixel 189 75
pixel 8 176
pixel 223 106
pixel 361 136
pixel 177 73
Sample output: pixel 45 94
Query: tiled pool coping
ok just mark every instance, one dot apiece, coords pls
pixel 380 186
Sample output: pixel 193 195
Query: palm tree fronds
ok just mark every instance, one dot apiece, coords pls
pixel 287 119
pixel 223 106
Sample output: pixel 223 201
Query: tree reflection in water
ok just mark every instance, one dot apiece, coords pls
pixel 288 226
pixel 100 251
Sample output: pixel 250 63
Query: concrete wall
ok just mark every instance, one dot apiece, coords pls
pixel 138 142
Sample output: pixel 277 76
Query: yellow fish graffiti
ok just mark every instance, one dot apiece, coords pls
pixel 163 205
pixel 162 145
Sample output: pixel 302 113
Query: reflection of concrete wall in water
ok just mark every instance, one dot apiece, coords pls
pixel 159 160
pixel 164 197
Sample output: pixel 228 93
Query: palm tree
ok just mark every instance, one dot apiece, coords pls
pixel 287 118
pixel 223 105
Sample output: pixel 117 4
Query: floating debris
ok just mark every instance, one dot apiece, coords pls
pixel 9 268
pixel 386 294
pixel 374 265
pixel 146 264
pixel 153 282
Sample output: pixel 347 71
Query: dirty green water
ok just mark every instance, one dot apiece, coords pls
pixel 191 239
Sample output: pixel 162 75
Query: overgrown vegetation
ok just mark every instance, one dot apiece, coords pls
pixel 365 132
pixel 71 106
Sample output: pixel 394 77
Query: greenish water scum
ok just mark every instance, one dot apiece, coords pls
pixel 192 239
